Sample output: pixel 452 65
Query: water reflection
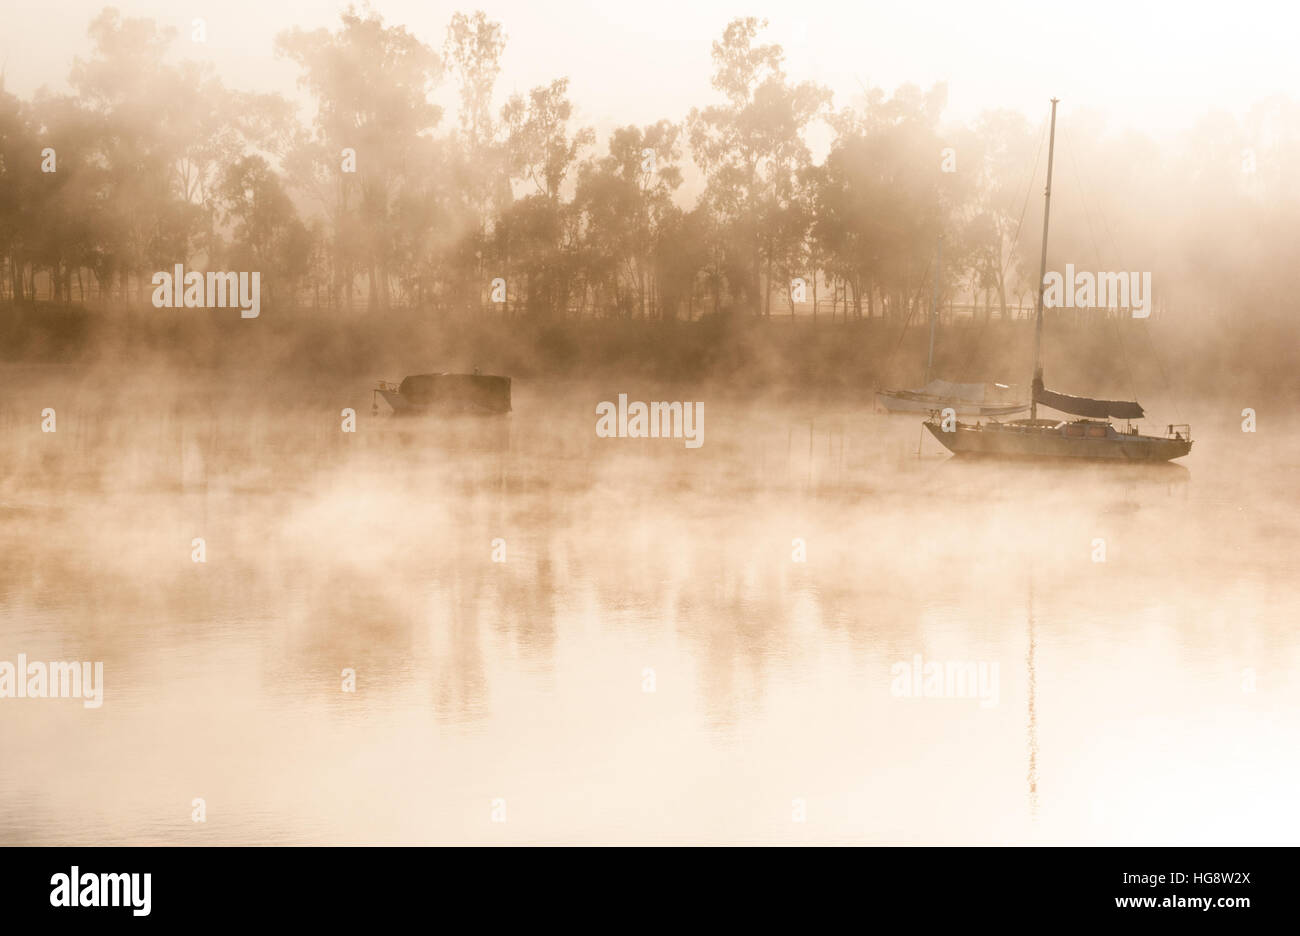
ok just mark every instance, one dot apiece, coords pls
pixel 1032 693
pixel 626 566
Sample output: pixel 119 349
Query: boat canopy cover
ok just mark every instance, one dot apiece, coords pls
pixel 1083 406
pixel 476 391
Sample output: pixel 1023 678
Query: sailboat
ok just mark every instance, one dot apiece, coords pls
pixel 964 399
pixel 1092 437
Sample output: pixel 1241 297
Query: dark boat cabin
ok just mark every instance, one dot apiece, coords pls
pixel 471 392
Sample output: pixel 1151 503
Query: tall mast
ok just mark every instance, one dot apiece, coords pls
pixel 1042 270
pixel 934 303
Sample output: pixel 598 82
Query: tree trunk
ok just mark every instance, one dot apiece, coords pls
pixel 767 289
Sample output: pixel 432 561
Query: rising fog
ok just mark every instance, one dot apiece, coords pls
pixel 754 225
pixel 400 179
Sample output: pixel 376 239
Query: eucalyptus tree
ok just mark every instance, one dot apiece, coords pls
pixel 536 238
pixel 752 150
pixel 371 84
pixel 266 233
pixel 1003 143
pixel 882 198
pixel 18 147
pixel 625 202
pixel 153 153
pixel 476 160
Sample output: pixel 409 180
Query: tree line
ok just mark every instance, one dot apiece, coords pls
pixel 380 201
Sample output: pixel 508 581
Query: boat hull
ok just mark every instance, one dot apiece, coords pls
pixel 1046 440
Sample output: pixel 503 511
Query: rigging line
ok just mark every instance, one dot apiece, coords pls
pixel 1173 397
pixel 1146 331
pixel 1096 249
pixel 1011 252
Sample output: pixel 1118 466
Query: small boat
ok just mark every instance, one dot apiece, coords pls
pixel 1092 437
pixel 446 394
pixel 964 399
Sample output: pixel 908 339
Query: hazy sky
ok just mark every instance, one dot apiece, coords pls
pixel 1154 65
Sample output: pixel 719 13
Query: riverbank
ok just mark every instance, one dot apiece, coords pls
pixel 777 356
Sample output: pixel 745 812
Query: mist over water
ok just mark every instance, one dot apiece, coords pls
pixel 252 275
pixel 1143 698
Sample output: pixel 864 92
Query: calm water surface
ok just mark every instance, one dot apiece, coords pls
pixel 1150 697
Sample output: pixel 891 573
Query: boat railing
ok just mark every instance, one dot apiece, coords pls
pixel 1182 431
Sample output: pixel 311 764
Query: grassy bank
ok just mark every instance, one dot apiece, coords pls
pixel 778 356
